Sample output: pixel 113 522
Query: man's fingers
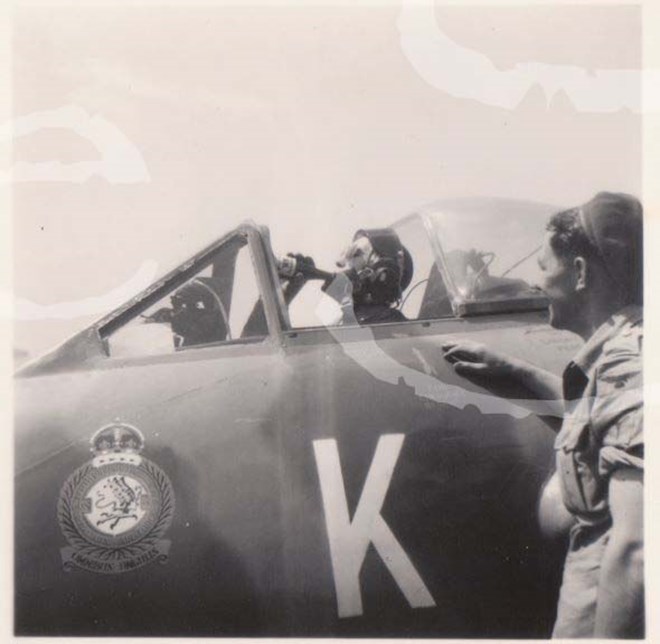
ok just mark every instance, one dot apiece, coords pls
pixel 464 368
pixel 460 352
pixel 469 368
pixel 463 345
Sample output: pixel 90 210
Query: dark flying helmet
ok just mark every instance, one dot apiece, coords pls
pixel 198 315
pixel 381 265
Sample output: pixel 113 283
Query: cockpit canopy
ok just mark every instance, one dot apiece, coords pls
pixel 474 256
pixel 470 257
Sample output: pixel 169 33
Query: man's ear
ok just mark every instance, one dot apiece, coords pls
pixel 580 268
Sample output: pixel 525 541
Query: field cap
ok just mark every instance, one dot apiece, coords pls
pixel 613 222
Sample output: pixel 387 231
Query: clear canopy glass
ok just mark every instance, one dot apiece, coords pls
pixel 483 255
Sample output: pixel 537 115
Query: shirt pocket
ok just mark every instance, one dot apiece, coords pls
pixel 579 483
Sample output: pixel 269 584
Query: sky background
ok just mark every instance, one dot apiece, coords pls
pixel 311 120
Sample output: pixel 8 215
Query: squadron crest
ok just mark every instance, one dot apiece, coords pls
pixel 114 509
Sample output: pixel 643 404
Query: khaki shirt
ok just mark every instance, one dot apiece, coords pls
pixel 602 428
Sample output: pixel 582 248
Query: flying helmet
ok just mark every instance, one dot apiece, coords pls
pixel 381 266
pixel 198 315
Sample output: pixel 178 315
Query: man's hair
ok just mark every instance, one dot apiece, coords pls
pixel 567 237
pixel 607 231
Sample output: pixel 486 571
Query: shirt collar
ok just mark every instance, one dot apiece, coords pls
pixel 592 348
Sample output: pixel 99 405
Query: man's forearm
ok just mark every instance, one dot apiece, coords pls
pixel 474 360
pixel 620 609
pixel 544 384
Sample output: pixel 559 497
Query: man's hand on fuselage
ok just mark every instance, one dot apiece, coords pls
pixel 477 362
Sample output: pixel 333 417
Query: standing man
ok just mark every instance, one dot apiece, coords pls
pixel 591 263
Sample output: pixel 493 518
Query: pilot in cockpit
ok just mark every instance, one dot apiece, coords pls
pixel 197 315
pixel 374 271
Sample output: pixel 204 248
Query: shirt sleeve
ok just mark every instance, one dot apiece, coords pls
pixel 618 412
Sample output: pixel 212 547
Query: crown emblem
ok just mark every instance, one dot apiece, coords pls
pixel 117 438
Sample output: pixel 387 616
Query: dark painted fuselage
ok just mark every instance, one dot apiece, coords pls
pixel 327 482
